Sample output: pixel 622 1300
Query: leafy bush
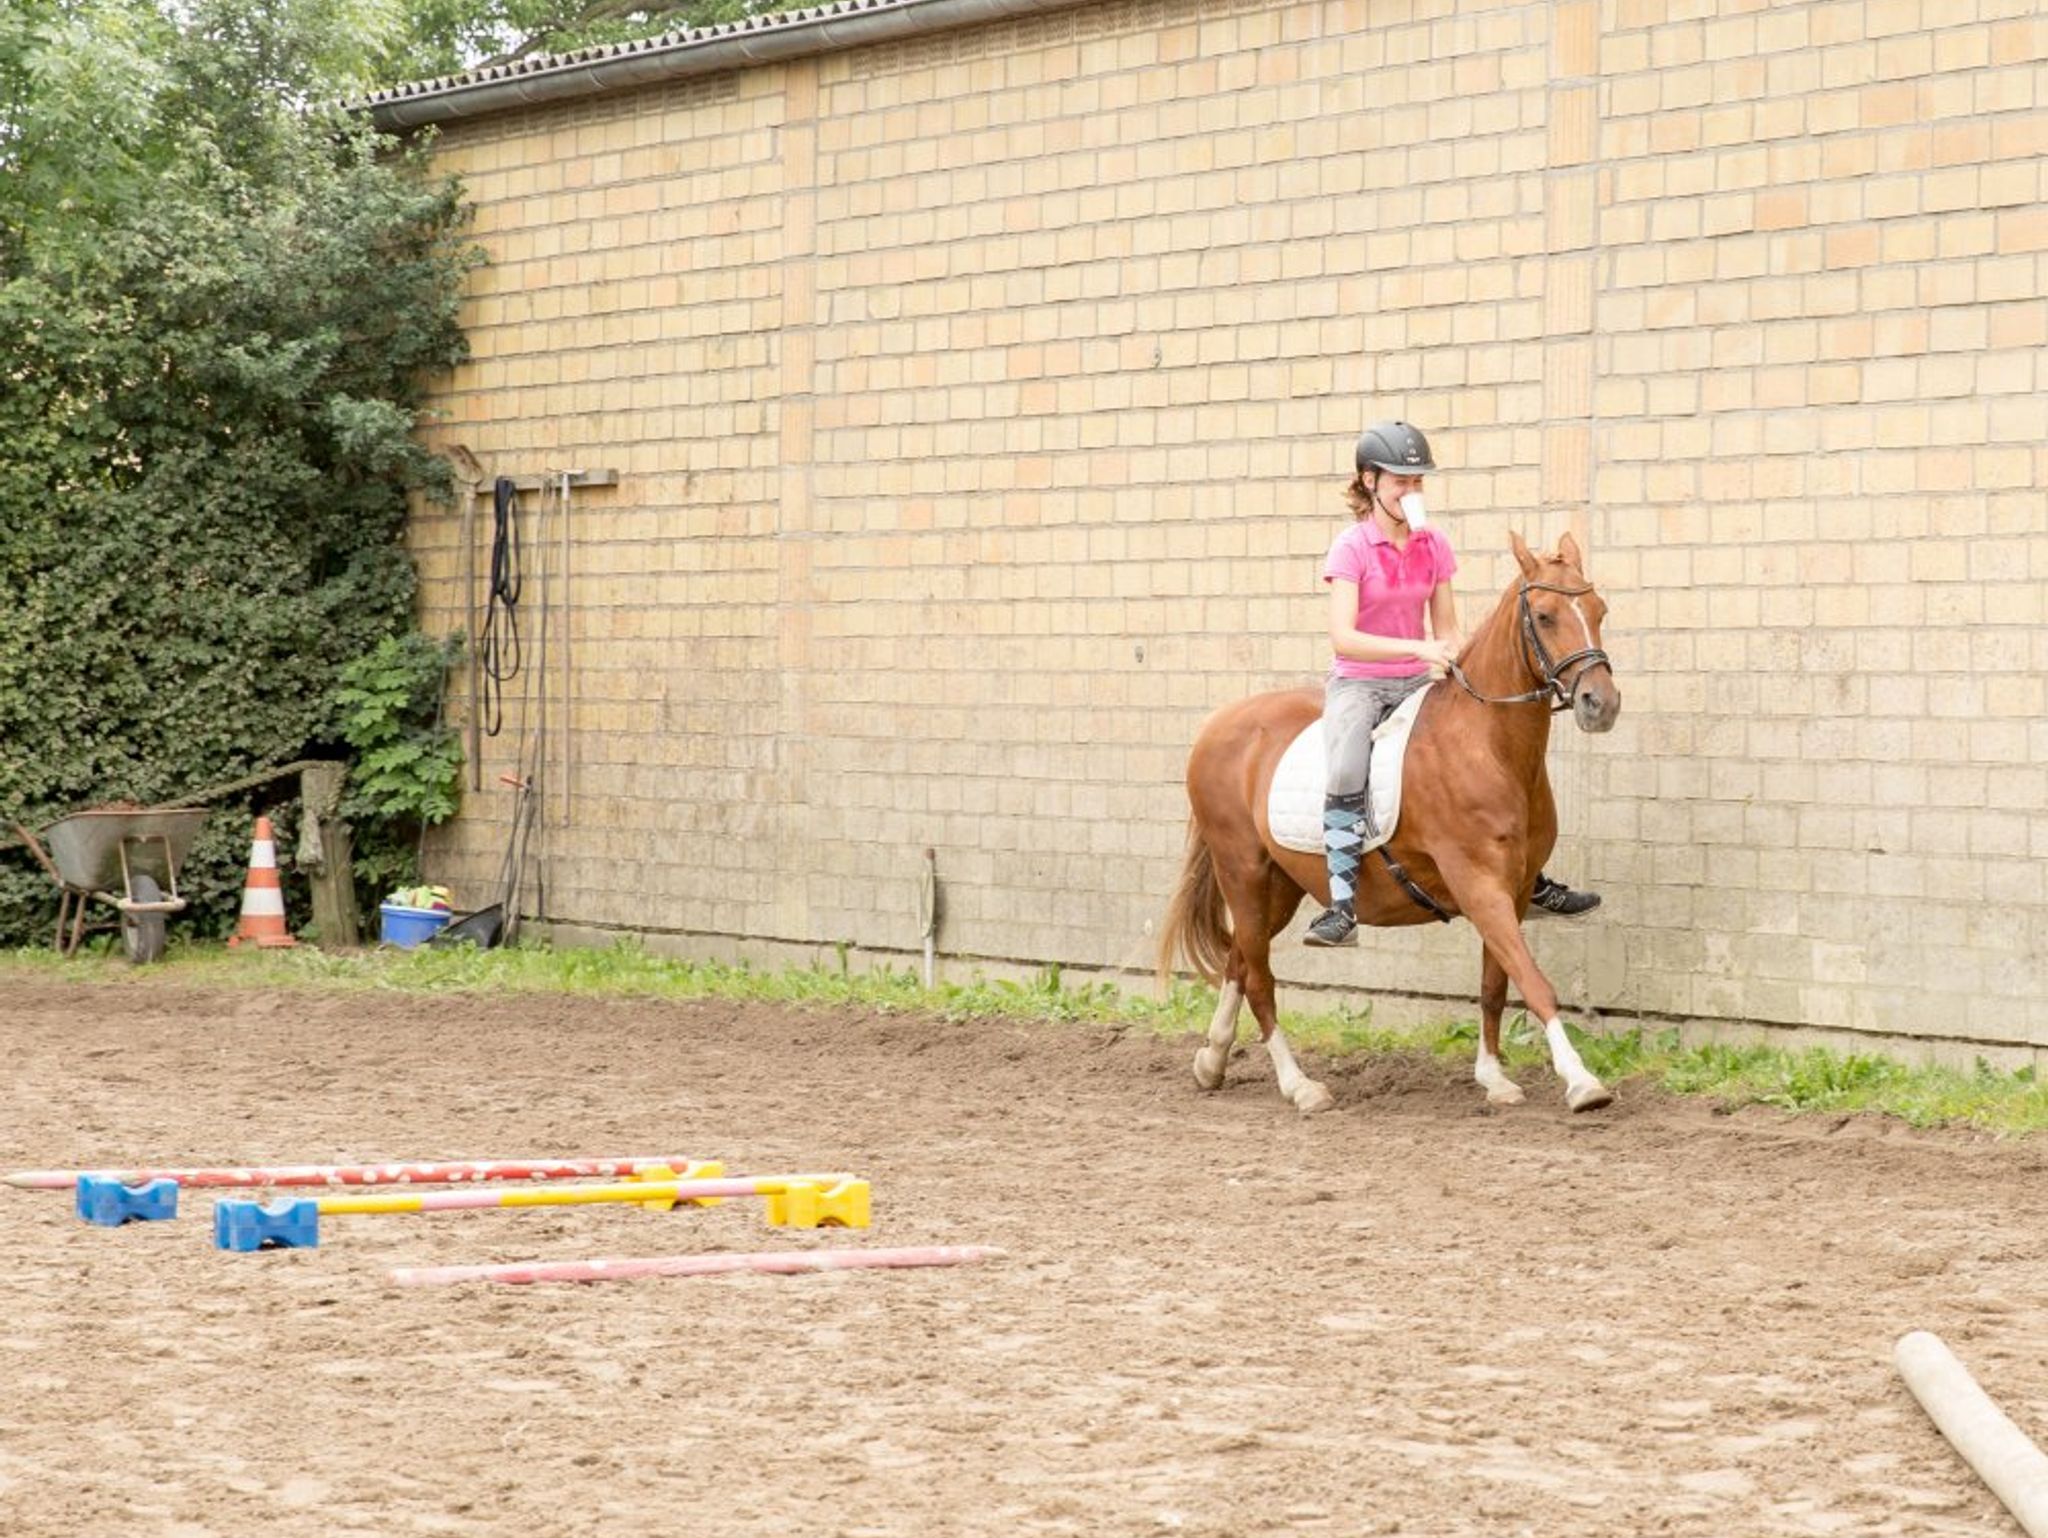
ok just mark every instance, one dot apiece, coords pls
pixel 218 310
pixel 408 770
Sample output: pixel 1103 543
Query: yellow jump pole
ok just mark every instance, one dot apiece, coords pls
pixel 798 1201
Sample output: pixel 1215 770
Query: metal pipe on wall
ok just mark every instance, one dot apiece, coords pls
pixel 568 726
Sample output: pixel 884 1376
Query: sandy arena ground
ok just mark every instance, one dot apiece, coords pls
pixel 1409 1316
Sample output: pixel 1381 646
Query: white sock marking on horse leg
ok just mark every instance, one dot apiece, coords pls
pixel 1579 1084
pixel 1297 1086
pixel 1500 1089
pixel 1211 1059
pixel 1285 1068
pixel 1223 1024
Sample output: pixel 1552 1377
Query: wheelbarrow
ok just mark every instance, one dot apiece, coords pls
pixel 129 859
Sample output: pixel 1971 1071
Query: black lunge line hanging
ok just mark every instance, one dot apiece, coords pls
pixel 500 646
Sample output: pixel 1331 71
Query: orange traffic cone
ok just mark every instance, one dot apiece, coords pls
pixel 262 897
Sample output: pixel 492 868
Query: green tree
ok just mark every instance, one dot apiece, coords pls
pixel 221 299
pixel 446 37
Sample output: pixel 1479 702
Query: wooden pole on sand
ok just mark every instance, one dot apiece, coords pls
pixel 2003 1456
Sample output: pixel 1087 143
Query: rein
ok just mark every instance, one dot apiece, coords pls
pixel 1550 672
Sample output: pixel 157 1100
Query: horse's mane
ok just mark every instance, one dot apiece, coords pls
pixel 1502 611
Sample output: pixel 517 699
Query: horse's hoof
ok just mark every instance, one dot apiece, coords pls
pixel 1206 1076
pixel 1504 1094
pixel 1589 1097
pixel 1313 1098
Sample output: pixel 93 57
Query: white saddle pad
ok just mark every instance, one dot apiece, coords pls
pixel 1294 807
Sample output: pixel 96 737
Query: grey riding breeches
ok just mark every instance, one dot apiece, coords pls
pixel 1352 707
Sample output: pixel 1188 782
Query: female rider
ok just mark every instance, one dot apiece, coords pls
pixel 1384 572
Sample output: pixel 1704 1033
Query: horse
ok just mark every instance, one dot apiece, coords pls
pixel 1476 824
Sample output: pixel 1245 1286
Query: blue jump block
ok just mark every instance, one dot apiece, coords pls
pixel 106 1201
pixel 291 1223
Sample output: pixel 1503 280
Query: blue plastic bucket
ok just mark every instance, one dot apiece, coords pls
pixel 408 927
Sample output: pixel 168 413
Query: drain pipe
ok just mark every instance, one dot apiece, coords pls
pixel 756 40
pixel 928 911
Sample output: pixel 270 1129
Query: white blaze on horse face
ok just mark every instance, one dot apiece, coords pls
pixel 1594 711
pixel 1585 626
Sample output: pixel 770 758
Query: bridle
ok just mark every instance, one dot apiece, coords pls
pixel 1542 666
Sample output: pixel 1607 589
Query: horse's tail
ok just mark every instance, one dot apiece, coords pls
pixel 1197 924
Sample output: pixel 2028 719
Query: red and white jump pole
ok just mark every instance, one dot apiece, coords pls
pixel 458 1172
pixel 781 1263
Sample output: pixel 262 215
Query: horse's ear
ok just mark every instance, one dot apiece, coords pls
pixel 1522 557
pixel 1568 552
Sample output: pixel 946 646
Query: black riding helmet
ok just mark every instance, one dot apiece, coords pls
pixel 1394 446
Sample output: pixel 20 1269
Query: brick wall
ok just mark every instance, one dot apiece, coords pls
pixel 981 404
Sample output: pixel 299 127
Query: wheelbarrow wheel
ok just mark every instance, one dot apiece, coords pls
pixel 142 934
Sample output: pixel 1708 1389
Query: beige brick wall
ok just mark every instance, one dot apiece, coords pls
pixel 981 404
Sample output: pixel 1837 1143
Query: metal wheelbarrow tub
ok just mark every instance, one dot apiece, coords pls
pixel 128 859
pixel 481 929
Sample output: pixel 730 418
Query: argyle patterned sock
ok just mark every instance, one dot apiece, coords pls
pixel 1343 840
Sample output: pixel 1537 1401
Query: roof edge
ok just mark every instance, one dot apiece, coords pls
pixel 626 66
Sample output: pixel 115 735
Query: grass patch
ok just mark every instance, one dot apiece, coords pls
pixel 1813 1079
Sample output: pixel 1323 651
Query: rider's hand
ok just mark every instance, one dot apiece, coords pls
pixel 1439 656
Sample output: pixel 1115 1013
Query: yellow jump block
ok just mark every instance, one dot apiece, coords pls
pixel 806 1204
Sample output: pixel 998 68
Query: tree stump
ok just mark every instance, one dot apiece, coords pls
pixel 327 856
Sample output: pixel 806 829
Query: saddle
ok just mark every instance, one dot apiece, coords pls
pixel 1294 806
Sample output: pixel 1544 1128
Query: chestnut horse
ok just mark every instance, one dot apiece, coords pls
pixel 1476 824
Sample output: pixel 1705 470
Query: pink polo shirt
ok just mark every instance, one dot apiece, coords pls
pixel 1393 589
